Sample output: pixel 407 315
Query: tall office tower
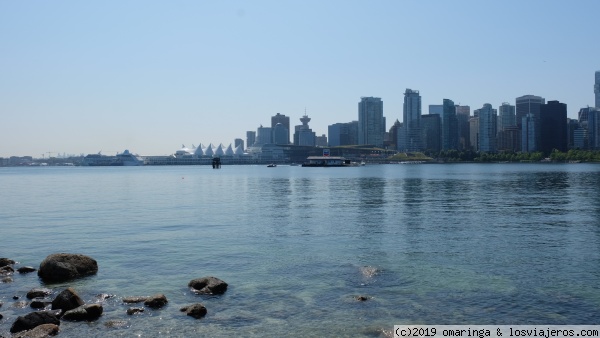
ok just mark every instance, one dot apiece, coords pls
pixel 431 131
pixel 463 114
pixel 238 142
pixel 280 134
pixel 285 121
pixel 597 89
pixel 412 120
pixel 321 141
pixel 250 138
pixel 474 131
pixel 401 137
pixel 528 134
pixel 449 126
pixel 509 139
pixel 264 135
pixel 393 134
pixel 529 104
pixel 304 136
pixel 507 117
pixel 573 129
pixel 335 134
pixel 553 127
pixel 371 124
pixel 487 128
pixel 593 130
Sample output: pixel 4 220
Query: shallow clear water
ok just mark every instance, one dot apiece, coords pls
pixel 431 244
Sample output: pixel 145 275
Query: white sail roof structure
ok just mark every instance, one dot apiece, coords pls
pixel 220 151
pixel 229 151
pixel 184 151
pixel 239 150
pixel 209 150
pixel 199 151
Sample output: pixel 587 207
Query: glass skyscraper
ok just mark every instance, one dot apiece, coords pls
pixel 371 124
pixel 597 89
pixel 412 120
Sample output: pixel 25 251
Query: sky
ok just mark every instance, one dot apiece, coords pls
pixel 80 77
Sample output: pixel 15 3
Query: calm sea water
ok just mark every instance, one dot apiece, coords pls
pixel 428 244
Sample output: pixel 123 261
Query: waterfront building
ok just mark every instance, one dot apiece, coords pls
pixel 593 129
pixel 401 137
pixel 285 121
pixel 449 126
pixel 371 124
pixel 506 116
pixel 412 120
pixel 528 131
pixel 508 139
pixel 280 134
pixel 597 89
pixel 463 114
pixel 431 132
pixel 474 131
pixel 393 135
pixel 572 126
pixel 580 139
pixel 529 104
pixel 488 119
pixel 264 135
pixel 436 109
pixel 553 127
pixel 250 138
pixel 304 136
pixel 238 142
pixel 321 141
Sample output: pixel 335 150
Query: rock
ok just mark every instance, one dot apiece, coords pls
pixel 38 293
pixel 20 305
pixel 208 286
pixel 7 280
pixel 15 297
pixel 6 270
pixel 62 267
pixel 1 316
pixel 41 331
pixel 134 310
pixel 26 269
pixel 113 324
pixel 31 320
pixel 157 301
pixel 67 300
pixel 85 312
pixel 6 261
pixel 104 296
pixel 40 303
pixel 361 298
pixel 130 300
pixel 195 310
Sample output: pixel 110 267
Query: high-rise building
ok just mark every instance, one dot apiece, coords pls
pixel 437 109
pixel 474 131
pixel 487 128
pixel 593 129
pixel 412 120
pixel 264 135
pixel 393 134
pixel 371 124
pixel 321 141
pixel 304 136
pixel 280 134
pixel 238 142
pixel 509 139
pixel 250 138
pixel 285 121
pixel 553 127
pixel 463 114
pixel 528 134
pixel 507 117
pixel 449 126
pixel 431 131
pixel 597 89
pixel 529 104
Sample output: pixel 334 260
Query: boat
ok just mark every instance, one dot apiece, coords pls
pixel 272 165
pixel 326 161
pixel 129 159
pixel 123 159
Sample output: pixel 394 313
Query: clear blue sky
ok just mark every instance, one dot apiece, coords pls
pixel 84 76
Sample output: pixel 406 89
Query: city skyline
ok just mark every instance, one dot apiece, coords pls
pixel 149 76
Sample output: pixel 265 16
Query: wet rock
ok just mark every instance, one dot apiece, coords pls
pixel 20 305
pixel 1 316
pixel 104 296
pixel 156 302
pixel 134 310
pixel 41 331
pixel 208 286
pixel 67 300
pixel 361 298
pixel 131 300
pixel 195 310
pixel 31 320
pixel 6 261
pixel 26 269
pixel 6 270
pixel 114 324
pixel 85 312
pixel 38 293
pixel 40 303
pixel 15 297
pixel 7 280
pixel 62 267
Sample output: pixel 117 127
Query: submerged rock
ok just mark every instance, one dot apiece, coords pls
pixel 114 324
pixel 134 310
pixel 67 300
pixel 131 300
pixel 38 293
pixel 85 312
pixel 6 261
pixel 208 286
pixel 26 269
pixel 62 267
pixel 195 310
pixel 361 298
pixel 32 320
pixel 40 303
pixel 41 331
pixel 157 301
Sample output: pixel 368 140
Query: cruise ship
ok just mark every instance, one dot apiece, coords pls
pixel 125 158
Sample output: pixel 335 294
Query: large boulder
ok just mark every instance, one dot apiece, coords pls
pixel 208 286
pixel 38 293
pixel 85 312
pixel 6 261
pixel 41 331
pixel 67 300
pixel 31 320
pixel 195 310
pixel 157 301
pixel 62 267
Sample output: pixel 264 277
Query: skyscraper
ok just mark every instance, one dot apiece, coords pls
pixel 304 136
pixel 507 116
pixel 412 120
pixel 597 89
pixel 371 124
pixel 529 104
pixel 487 128
pixel 250 138
pixel 449 126
pixel 285 121
pixel 463 114
pixel 528 134
pixel 553 127
pixel 431 131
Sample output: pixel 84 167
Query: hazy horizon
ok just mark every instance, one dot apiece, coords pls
pixel 149 76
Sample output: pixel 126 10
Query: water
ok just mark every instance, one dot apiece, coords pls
pixel 428 244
